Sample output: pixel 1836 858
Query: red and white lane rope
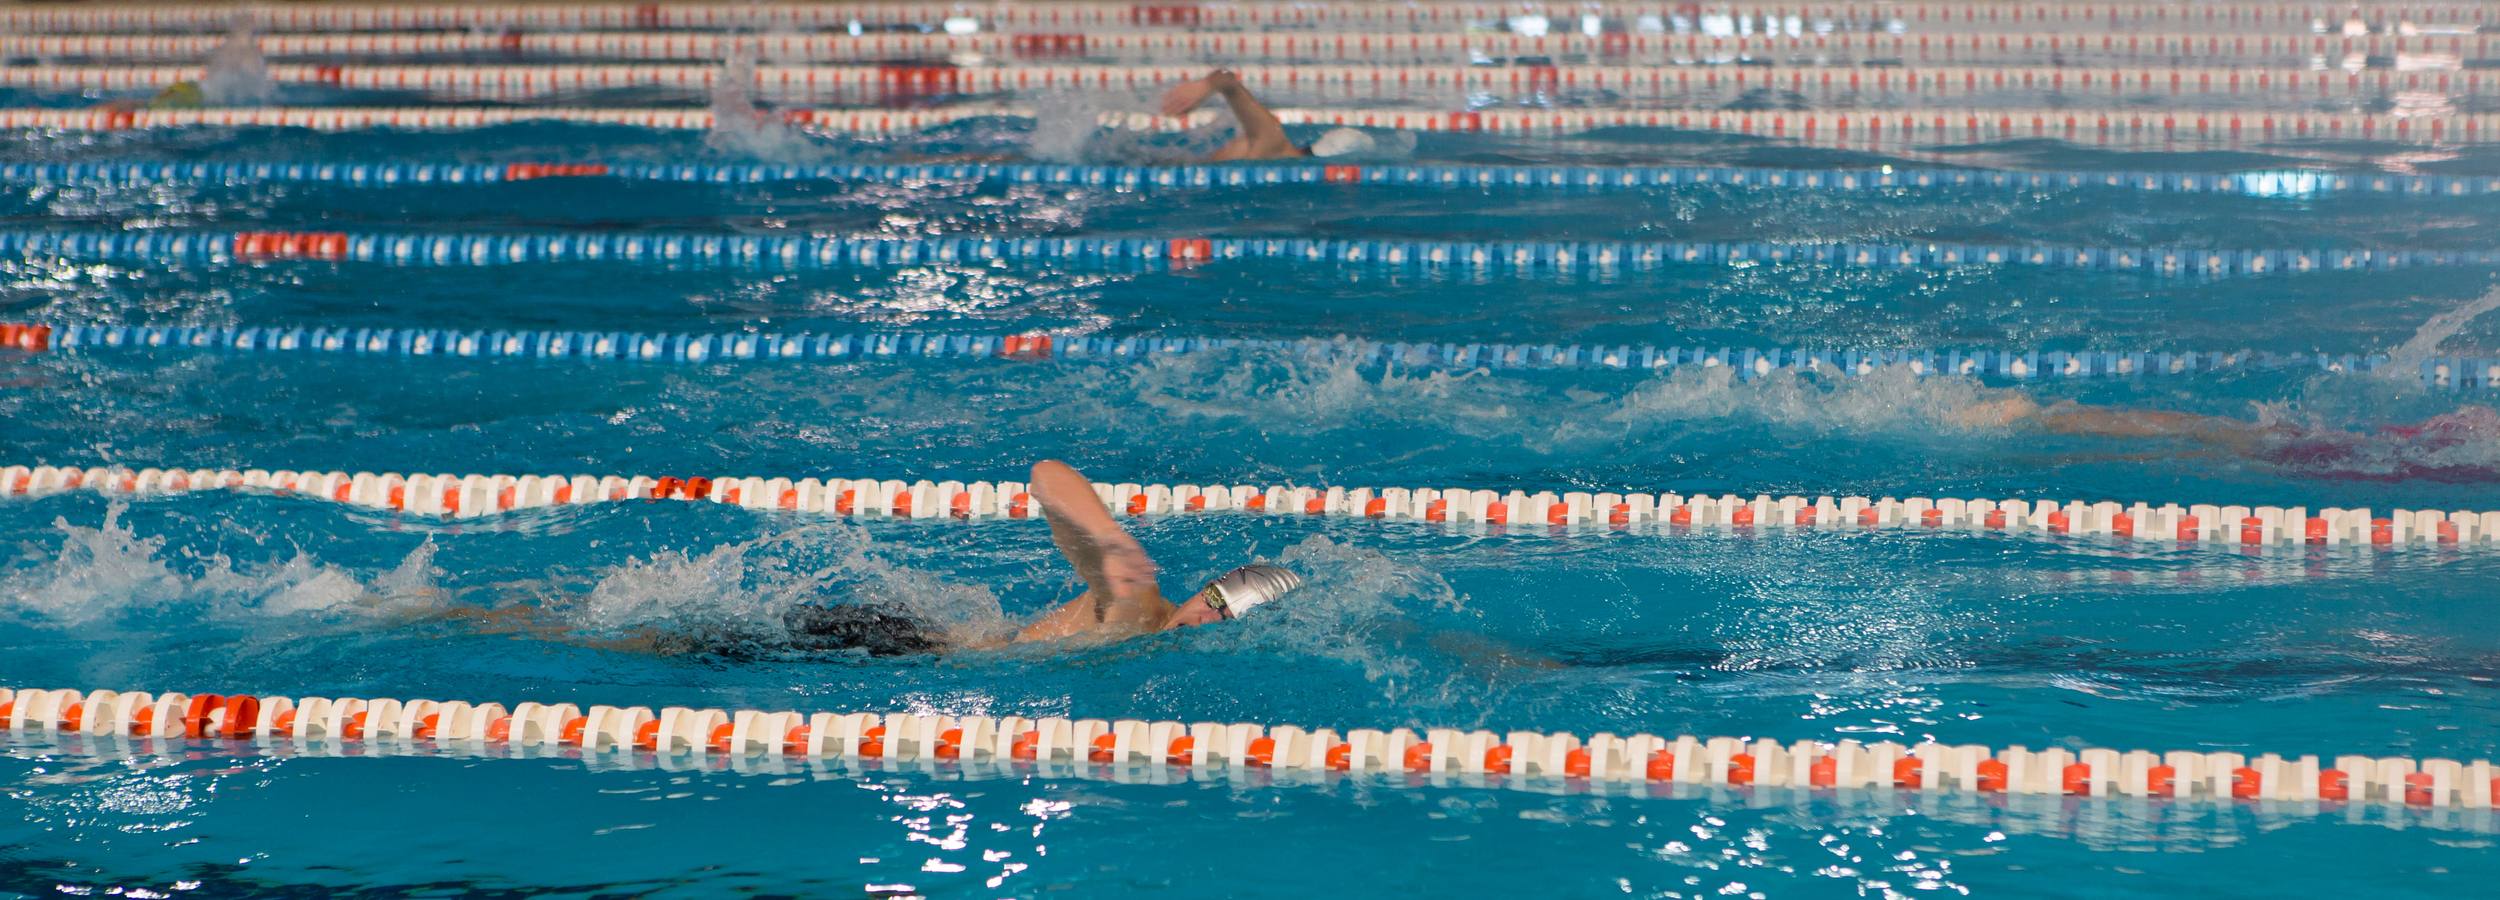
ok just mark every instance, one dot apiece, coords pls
pixel 1330 46
pixel 470 496
pixel 1944 84
pixel 2106 127
pixel 1937 15
pixel 1640 758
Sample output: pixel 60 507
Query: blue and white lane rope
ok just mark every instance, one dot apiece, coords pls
pixel 800 253
pixel 2445 371
pixel 2274 183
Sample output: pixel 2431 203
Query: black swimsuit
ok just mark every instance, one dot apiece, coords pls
pixel 811 628
pixel 854 627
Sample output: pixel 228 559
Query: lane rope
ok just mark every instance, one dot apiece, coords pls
pixel 2119 818
pixel 1939 15
pixel 1521 757
pixel 2135 127
pixel 1568 512
pixel 2293 183
pixel 1943 49
pixel 699 349
pixel 1945 86
pixel 807 253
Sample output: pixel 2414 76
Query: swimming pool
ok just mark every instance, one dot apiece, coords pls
pixel 1801 331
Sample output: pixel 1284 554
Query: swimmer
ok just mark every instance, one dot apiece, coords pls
pixel 1121 598
pixel 178 95
pixel 2441 448
pixel 1261 135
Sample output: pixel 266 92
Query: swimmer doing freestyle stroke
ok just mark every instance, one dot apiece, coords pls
pixel 2462 446
pixel 1121 599
pixel 1260 135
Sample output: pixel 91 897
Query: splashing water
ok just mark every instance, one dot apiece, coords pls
pixel 2406 359
pixel 1892 398
pixel 109 569
pixel 1356 606
pixel 96 570
pixel 1325 382
pixel 237 73
pixel 2395 392
pixel 736 593
pixel 1067 128
pixel 741 126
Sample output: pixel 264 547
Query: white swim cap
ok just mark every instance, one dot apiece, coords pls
pixel 1248 587
pixel 1342 141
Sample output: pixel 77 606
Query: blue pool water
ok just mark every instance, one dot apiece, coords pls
pixel 1900 635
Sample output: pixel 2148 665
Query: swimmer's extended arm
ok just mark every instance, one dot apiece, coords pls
pixel 2076 418
pixel 1115 568
pixel 2069 417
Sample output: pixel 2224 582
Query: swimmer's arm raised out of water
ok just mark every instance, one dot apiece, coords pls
pixel 1261 137
pixel 1120 591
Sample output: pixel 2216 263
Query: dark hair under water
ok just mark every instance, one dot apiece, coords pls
pixel 813 628
pixel 850 626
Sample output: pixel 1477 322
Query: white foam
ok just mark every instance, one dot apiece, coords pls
pixel 237 73
pixel 743 127
pixel 1067 128
pixel 1356 606
pixel 740 590
pixel 1890 399
pixel 1329 387
pixel 95 572
pixel 107 569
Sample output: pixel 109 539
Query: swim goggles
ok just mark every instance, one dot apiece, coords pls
pixel 1241 590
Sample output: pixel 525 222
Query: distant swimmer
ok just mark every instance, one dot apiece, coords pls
pixel 2460 446
pixel 178 95
pixel 1261 136
pixel 1121 598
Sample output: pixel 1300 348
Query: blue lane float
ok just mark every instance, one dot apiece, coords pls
pixel 1530 258
pixel 2272 183
pixel 681 348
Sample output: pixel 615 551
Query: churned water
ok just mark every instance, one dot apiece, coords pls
pixel 1789 635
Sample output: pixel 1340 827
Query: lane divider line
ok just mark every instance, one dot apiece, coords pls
pixel 2116 818
pixel 1928 48
pixel 689 348
pixel 1936 16
pixel 1524 756
pixel 2292 183
pixel 1919 87
pixel 2132 127
pixel 752 252
pixel 473 496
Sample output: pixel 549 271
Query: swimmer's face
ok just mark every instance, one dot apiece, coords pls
pixel 1195 612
